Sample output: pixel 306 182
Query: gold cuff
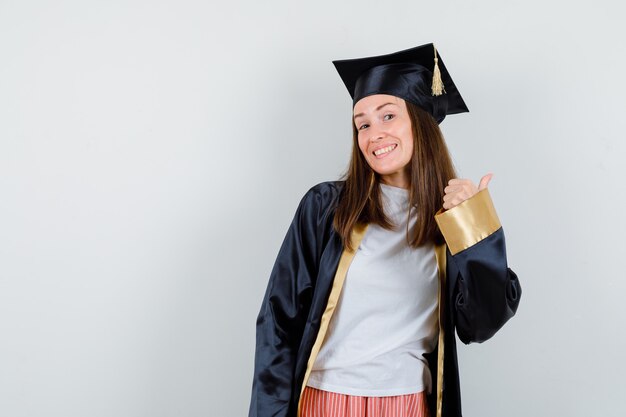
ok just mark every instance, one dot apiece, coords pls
pixel 468 223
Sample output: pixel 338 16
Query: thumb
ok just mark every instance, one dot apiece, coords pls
pixel 484 181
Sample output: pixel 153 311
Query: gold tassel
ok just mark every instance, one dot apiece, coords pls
pixel 437 88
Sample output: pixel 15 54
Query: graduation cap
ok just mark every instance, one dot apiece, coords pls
pixel 417 75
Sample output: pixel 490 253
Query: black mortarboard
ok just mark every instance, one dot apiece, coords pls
pixel 417 75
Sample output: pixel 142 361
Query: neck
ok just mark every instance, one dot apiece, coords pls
pixel 400 180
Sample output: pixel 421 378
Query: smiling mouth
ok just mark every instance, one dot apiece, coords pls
pixel 384 151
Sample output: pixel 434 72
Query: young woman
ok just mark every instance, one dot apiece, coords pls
pixel 377 271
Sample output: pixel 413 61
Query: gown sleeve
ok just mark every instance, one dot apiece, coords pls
pixel 283 314
pixel 483 291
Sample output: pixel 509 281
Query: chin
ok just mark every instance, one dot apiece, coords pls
pixel 383 171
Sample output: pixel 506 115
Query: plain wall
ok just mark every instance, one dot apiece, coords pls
pixel 153 153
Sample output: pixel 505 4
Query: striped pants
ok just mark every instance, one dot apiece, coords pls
pixel 319 403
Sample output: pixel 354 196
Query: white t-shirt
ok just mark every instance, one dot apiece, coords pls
pixel 386 316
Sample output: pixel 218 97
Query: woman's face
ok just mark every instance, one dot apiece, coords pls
pixel 385 136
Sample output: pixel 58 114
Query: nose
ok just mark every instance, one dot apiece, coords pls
pixel 376 132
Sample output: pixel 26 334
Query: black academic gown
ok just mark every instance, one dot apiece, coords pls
pixel 478 294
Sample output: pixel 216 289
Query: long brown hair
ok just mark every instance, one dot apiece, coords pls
pixel 430 170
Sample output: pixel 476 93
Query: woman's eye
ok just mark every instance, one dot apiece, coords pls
pixel 363 126
pixel 392 116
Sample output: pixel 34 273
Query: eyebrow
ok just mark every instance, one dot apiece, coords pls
pixel 377 108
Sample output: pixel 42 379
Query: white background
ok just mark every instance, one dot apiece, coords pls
pixel 152 155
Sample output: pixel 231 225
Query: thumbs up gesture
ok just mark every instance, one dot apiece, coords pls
pixel 460 189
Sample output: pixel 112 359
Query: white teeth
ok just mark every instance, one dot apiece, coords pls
pixel 384 150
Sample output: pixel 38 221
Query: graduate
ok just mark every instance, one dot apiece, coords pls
pixel 380 271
